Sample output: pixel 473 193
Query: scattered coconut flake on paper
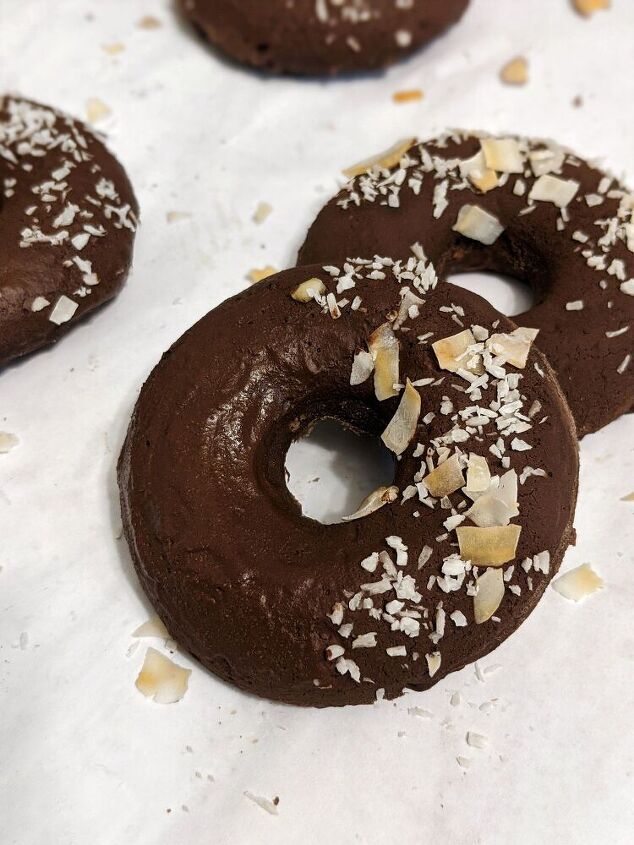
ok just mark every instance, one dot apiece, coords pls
pixel 578 583
pixel 97 110
pixel 589 7
pixel 162 679
pixel 149 22
pixel 476 740
pixel 628 498
pixel 177 216
pixel 410 96
pixel 515 72
pixel 262 212
pixel 8 442
pixel 265 803
pixel 154 627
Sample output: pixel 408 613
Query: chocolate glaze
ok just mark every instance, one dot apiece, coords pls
pixel 531 249
pixel 288 36
pixel 67 221
pixel 245 582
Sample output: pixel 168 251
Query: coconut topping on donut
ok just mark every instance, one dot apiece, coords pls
pixel 455 473
pixel 36 139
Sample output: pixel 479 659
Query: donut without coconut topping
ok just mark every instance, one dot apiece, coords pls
pixel 528 208
pixel 68 216
pixel 485 472
pixel 317 37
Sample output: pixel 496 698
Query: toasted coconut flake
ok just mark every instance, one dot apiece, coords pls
pixel 161 679
pixel 446 478
pixel 379 497
pixel 477 224
pixel 488 511
pixel 478 474
pixel 490 592
pixel 515 72
pixel 513 347
pixel 308 290
pixel 453 353
pixel 503 155
pixel 484 180
pixel 628 498
pixel 578 583
pixel 434 659
pixel 507 491
pixel 385 160
pixel 408 96
pixel 401 429
pixel 488 546
pixel 262 212
pixel 258 275
pixel 589 7
pixel 384 347
pixel 113 49
pixel 154 627
pixel 549 188
pixel 149 22
pixel 362 367
pixel 8 442
pixel 97 110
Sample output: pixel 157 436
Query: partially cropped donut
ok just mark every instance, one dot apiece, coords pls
pixel 317 37
pixel 67 222
pixel 428 574
pixel 529 208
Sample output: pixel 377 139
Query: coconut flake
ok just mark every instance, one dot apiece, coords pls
pixel 384 348
pixel 385 160
pixel 549 188
pixel 503 155
pixel 477 224
pixel 362 367
pixel 478 474
pixel 488 546
pixel 379 497
pixel 578 583
pixel 63 311
pixel 154 627
pixel 490 592
pixel 401 429
pixel 453 353
pixel 514 347
pixel 434 659
pixel 446 478
pixel 310 289
pixel 162 679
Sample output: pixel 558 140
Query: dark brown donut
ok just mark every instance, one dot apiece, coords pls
pixel 67 221
pixel 258 592
pixel 576 257
pixel 316 37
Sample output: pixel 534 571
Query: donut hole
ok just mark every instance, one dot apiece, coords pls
pixel 506 293
pixel 333 468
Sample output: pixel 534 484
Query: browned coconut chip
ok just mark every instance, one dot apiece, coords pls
pixel 384 348
pixel 308 290
pixel 162 679
pixel 385 160
pixel 401 429
pixel 453 353
pixel 589 7
pixel 446 478
pixel 490 592
pixel 379 497
pixel 257 275
pixel 515 72
pixel 488 546
pixel 578 583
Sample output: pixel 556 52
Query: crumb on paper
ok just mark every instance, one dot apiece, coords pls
pixel 113 49
pixel 589 7
pixel 420 713
pixel 411 95
pixel 8 442
pixel 257 275
pixel 262 212
pixel 154 627
pixel 149 22
pixel 177 216
pixel 162 679
pixel 515 72
pixel 577 101
pixel 578 583
pixel 463 762
pixel 97 110
pixel 267 805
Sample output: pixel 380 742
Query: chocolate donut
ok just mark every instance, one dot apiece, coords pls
pixel 315 37
pixel 528 208
pixel 67 221
pixel 430 573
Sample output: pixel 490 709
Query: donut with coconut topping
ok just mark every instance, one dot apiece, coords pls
pixel 318 37
pixel 429 573
pixel 528 208
pixel 68 217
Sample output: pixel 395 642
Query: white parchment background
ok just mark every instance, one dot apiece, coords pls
pixel 84 758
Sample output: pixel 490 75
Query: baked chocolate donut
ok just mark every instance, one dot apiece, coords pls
pixel 67 221
pixel 291 609
pixel 316 37
pixel 529 208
